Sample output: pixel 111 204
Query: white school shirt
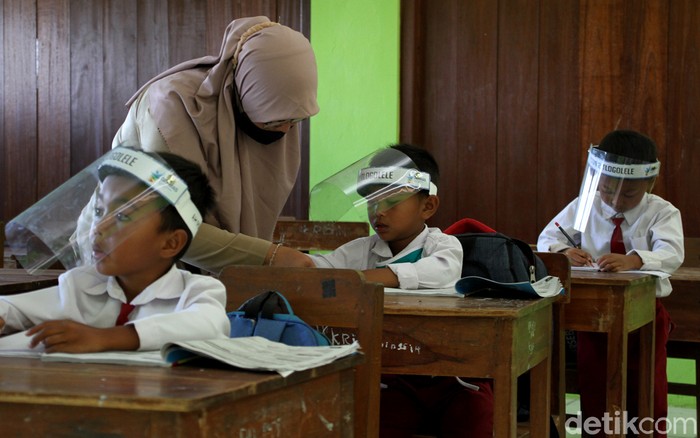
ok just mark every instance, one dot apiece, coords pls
pixel 438 265
pixel 653 230
pixel 179 306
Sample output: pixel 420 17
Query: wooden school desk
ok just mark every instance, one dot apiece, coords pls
pixel 304 235
pixel 499 339
pixel 326 298
pixel 68 399
pixel 617 304
pixel 14 281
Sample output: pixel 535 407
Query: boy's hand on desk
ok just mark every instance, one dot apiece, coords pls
pixel 619 262
pixel 578 257
pixel 73 337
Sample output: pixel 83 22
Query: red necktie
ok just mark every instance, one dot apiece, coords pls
pixel 124 313
pixel 617 246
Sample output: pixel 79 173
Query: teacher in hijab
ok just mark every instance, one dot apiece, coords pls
pixel 237 116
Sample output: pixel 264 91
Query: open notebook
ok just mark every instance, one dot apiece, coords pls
pixel 252 353
pixel 548 286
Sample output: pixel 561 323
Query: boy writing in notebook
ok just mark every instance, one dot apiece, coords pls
pixel 131 296
pixel 617 224
pixel 399 188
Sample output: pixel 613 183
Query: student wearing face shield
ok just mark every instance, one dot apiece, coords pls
pixel 617 224
pixel 396 189
pixel 126 293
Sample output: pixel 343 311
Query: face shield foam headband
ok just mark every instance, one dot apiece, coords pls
pixel 392 180
pixel 598 163
pixel 158 177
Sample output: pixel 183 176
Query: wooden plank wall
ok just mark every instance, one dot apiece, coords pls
pixel 509 94
pixel 67 68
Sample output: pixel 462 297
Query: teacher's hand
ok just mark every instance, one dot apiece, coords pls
pixel 285 256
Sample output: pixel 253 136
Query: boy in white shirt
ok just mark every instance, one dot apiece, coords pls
pixel 617 186
pixel 132 296
pixel 404 252
pixel 399 187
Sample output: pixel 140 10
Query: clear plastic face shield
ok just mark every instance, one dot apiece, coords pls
pixel 620 181
pixel 369 186
pixel 97 210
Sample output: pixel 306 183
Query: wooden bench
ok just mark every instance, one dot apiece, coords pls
pixel 683 305
pixel 326 298
pixel 316 235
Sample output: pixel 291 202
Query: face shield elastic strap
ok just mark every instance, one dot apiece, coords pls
pixel 159 178
pixel 395 177
pixel 629 171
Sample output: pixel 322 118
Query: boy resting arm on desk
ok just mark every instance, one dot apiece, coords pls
pixel 398 187
pixel 399 191
pixel 131 296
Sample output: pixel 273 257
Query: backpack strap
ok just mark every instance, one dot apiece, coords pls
pixel 525 248
pixel 267 303
pixel 275 302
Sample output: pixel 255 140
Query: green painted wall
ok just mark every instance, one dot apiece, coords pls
pixel 356 43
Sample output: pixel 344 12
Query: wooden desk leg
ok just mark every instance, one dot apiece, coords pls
pixel 539 398
pixel 646 375
pixel 505 389
pixel 617 372
pixel 558 366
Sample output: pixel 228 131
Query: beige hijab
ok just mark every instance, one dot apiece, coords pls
pixel 191 105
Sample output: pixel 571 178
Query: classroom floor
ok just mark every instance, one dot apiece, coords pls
pixel 677 415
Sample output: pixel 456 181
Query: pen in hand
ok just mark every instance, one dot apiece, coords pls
pixel 589 260
pixel 571 241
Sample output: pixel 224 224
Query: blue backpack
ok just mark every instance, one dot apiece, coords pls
pixel 269 315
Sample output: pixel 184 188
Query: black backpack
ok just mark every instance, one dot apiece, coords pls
pixel 500 258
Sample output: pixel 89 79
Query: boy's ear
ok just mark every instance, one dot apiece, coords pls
pixel 430 206
pixel 174 242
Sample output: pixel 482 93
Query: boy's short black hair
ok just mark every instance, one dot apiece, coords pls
pixel 201 192
pixel 630 144
pixel 423 160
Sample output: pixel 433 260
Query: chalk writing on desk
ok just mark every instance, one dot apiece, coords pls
pixel 268 429
pixel 531 330
pixel 402 346
pixel 325 229
pixel 340 336
pixel 337 336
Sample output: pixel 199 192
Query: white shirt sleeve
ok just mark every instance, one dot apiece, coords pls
pixel 439 267
pixel 352 255
pixel 551 239
pixel 666 236
pixel 199 314
pixel 24 311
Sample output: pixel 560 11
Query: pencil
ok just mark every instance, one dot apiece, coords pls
pixel 571 241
